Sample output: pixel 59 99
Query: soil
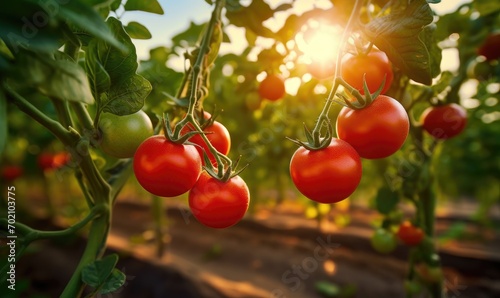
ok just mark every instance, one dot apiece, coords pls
pixel 272 254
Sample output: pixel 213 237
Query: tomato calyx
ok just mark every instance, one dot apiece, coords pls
pixel 314 139
pixel 362 100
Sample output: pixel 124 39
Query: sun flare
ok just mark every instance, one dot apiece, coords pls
pixel 319 42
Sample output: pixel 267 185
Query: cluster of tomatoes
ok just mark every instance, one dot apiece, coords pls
pixel 46 162
pixel 331 174
pixel 385 241
pixel 168 169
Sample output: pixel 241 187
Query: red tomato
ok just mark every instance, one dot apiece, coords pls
pixel 272 87
pixel 218 136
pixel 376 131
pixel 11 173
pixel 45 161
pixel 444 122
pixel 409 234
pixel 491 47
pixel 327 175
pixel 166 169
pixel 375 65
pixel 218 204
pixel 61 159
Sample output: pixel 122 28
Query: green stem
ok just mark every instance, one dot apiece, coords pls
pixel 159 222
pixel 95 247
pixel 338 67
pixel 62 110
pixel 53 126
pixel 83 115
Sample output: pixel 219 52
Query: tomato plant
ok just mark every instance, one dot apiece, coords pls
pixel 219 204
pixel 320 70
pixel 327 175
pixel 383 241
pixel 445 121
pixel 217 135
pixel 166 169
pixel 272 87
pixel 121 135
pixel 374 67
pixel 409 234
pixel 376 131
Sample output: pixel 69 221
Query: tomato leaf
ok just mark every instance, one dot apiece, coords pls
pixel 120 65
pixel 3 122
pixel 435 53
pixel 113 282
pixel 137 30
pixel 18 31
pixel 190 36
pixel 251 18
pixel 97 272
pixel 61 79
pixel 395 35
pixel 97 74
pixel 386 200
pixel 144 5
pixel 127 97
pixel 85 17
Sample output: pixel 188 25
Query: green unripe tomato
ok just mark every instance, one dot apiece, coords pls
pixel 383 241
pixel 122 135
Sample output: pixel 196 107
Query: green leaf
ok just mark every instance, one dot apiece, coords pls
pixel 435 52
pixel 86 18
pixel 115 5
pixel 137 30
pixel 97 272
pixel 3 122
pixel 386 200
pixel 113 282
pixel 19 31
pixel 119 65
pixel 144 5
pixel 190 36
pixel 252 17
pixel 99 78
pixel 127 97
pixel 395 35
pixel 61 79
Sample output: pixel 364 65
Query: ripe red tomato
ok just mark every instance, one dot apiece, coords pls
pixel 61 159
pixel 218 136
pixel 218 204
pixel 11 173
pixel 375 65
pixel 45 161
pixel 272 87
pixel 409 234
pixel 490 47
pixel 166 169
pixel 383 241
pixel 376 131
pixel 444 122
pixel 327 175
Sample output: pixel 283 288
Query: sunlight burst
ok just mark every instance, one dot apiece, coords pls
pixel 319 41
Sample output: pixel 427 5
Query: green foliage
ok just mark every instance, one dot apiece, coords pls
pixel 103 276
pixel 144 5
pixel 125 91
pixel 137 30
pixel 386 200
pixel 395 35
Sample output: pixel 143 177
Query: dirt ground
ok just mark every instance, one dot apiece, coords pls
pixel 273 254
